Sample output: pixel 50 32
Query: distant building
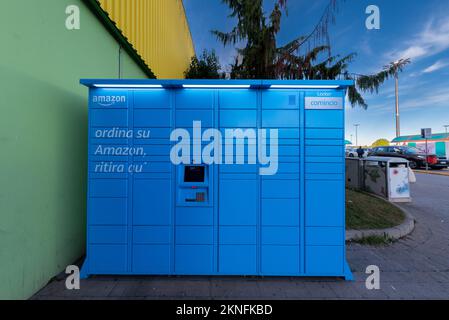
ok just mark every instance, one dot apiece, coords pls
pixel 438 144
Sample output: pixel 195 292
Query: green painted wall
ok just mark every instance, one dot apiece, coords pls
pixel 43 136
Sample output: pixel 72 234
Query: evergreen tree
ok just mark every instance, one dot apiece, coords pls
pixel 304 58
pixel 206 67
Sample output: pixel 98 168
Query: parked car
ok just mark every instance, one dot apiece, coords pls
pixel 352 152
pixel 417 159
pixel 442 163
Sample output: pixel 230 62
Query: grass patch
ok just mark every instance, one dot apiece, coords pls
pixel 374 241
pixel 364 211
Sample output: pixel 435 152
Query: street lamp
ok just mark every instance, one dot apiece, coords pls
pixel 446 126
pixel 396 85
pixel 356 134
pixel 393 69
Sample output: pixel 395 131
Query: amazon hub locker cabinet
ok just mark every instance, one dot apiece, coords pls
pixel 218 177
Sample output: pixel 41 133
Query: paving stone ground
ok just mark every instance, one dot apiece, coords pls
pixel 416 267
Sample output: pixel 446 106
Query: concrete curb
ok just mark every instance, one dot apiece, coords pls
pixel 436 173
pixel 394 233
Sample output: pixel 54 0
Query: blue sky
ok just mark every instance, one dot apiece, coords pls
pixel 415 29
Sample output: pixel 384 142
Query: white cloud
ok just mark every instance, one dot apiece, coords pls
pixel 430 99
pixel 436 66
pixel 413 52
pixel 432 40
pixel 411 96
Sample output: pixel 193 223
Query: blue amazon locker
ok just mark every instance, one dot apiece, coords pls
pixel 216 177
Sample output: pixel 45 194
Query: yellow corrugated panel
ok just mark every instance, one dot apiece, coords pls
pixel 158 30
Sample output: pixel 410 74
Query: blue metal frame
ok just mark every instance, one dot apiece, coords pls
pixel 256 84
pixel 251 224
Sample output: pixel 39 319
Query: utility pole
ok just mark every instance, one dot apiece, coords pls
pixel 393 69
pixel 356 134
pixel 398 126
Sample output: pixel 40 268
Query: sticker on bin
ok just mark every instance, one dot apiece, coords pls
pixel 323 100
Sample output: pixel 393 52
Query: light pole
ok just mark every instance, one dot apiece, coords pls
pixel 356 134
pixel 446 126
pixel 396 84
pixel 393 69
pixel 351 138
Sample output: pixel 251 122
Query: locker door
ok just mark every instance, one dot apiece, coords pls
pixel 152 187
pixel 280 193
pixel 108 191
pixel 237 220
pixel 194 230
pixel 238 188
pixel 324 187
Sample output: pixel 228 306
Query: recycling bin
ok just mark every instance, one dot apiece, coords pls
pixel 388 177
pixel 216 177
pixel 355 173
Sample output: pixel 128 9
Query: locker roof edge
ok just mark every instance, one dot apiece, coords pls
pixel 201 83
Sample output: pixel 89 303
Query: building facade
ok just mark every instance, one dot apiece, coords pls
pixel 158 30
pixel 437 144
pixel 43 127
